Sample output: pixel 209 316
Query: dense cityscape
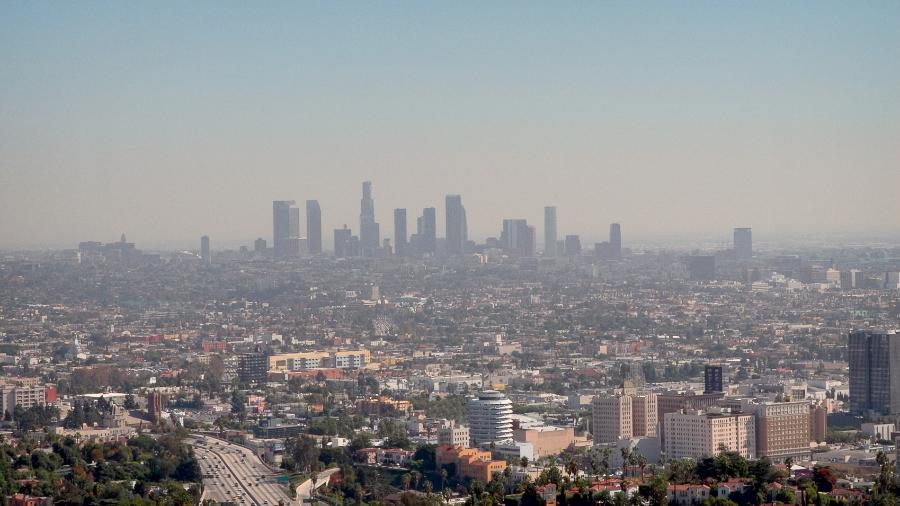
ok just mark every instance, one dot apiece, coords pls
pixel 418 369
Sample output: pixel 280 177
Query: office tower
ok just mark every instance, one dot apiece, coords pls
pixel 615 241
pixel 456 225
pixel 259 245
pixel 204 249
pixel 550 231
pixel 369 234
pixel 517 238
pixel 428 234
pixel 313 227
pixel 782 429
pixel 743 243
pixel 712 379
pixel 342 242
pixel 285 228
pixel 874 358
pixel 490 418
pixel 253 367
pixel 573 246
pixel 400 232
pixel 702 267
pixel 698 434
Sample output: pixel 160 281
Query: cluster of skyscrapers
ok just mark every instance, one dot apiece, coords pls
pixel 517 237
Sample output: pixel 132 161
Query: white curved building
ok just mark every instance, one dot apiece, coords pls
pixel 490 418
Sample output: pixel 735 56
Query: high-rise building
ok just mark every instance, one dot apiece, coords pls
pixel 573 246
pixel 782 429
pixel 712 379
pixel 550 231
pixel 743 243
pixel 818 422
pixel 457 232
pixel 428 232
pixel 698 434
pixel 400 232
pixel 874 358
pixel 702 267
pixel 517 238
pixel 204 249
pixel 615 240
pixel 259 245
pixel 313 227
pixel 342 238
pixel 155 405
pixel 623 414
pixel 285 228
pixel 369 235
pixel 612 418
pixel 671 402
pixel 490 418
pixel 253 367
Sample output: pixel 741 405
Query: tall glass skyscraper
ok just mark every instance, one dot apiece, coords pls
pixel 743 243
pixel 313 227
pixel 550 231
pixel 874 358
pixel 456 225
pixel 369 235
pixel 400 232
pixel 285 228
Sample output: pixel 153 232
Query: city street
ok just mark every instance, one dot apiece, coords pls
pixel 232 473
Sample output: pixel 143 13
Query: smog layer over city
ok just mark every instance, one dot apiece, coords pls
pixel 457 253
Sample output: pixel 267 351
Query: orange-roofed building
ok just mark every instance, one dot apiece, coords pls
pixel 470 462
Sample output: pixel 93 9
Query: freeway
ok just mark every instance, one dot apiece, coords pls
pixel 232 473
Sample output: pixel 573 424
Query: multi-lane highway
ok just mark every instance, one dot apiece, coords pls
pixel 232 473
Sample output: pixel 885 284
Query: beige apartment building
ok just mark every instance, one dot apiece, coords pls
pixel 623 414
pixel 24 396
pixel 454 435
pixel 698 434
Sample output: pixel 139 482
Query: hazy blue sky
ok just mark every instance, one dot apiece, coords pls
pixel 169 120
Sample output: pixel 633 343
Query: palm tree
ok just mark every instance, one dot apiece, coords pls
pixel 642 463
pixel 604 463
pixel 572 468
pixel 626 459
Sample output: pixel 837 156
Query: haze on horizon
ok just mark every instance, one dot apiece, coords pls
pixel 171 120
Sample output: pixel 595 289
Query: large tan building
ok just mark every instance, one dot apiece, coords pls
pixel 546 440
pixel 782 429
pixel 24 396
pixel 698 434
pixel 623 414
pixel 672 402
pixel 818 422
pixel 350 359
